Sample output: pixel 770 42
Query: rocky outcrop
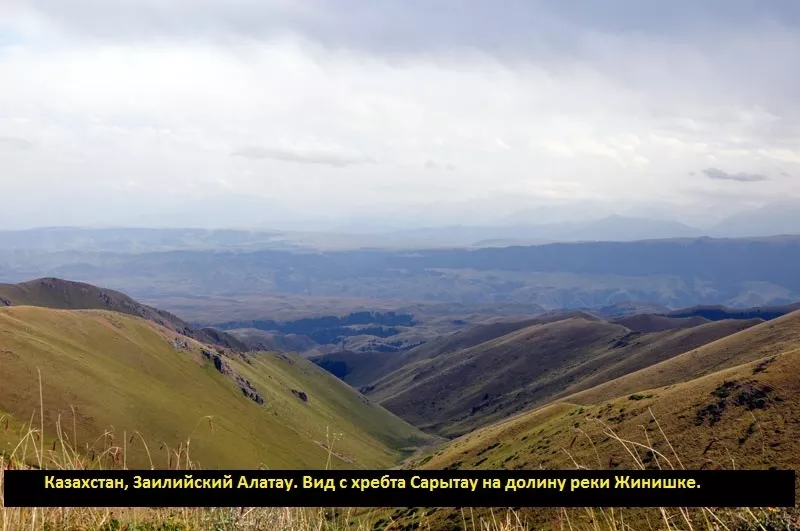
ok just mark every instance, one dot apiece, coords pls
pixel 180 344
pixel 224 368
pixel 300 394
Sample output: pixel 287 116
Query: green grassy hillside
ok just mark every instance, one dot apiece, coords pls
pixel 126 374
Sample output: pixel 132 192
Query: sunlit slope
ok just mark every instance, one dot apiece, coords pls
pixel 126 374
pixel 766 339
pixel 744 417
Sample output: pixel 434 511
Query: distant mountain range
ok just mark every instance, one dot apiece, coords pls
pixel 777 218
pixel 670 272
pixel 774 219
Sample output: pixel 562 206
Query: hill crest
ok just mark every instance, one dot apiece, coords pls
pixel 60 294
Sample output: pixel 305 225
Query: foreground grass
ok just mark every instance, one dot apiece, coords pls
pixel 31 453
pixel 34 448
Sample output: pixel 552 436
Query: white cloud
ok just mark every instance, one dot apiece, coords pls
pixel 336 122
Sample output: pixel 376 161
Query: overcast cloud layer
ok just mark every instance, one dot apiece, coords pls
pixel 153 111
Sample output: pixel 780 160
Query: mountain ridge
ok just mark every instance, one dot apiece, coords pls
pixel 56 293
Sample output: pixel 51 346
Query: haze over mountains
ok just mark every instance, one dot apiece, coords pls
pixel 183 264
pixel 528 226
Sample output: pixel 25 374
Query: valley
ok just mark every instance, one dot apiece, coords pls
pixel 487 386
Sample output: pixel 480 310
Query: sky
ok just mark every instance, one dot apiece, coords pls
pixel 322 113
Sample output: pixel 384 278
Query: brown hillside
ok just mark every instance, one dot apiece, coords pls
pixel 360 369
pixel 461 390
pixel 470 387
pixel 648 323
pixel 638 351
pixel 766 339
pixel 746 417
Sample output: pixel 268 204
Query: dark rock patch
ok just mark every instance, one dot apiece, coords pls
pixel 761 367
pixel 180 344
pixel 300 394
pixel 753 396
pixel 724 389
pixel 224 368
pixel 712 412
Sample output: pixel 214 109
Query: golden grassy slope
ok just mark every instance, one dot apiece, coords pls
pixel 691 412
pixel 125 373
pixel 747 416
pixel 766 339
pixel 743 432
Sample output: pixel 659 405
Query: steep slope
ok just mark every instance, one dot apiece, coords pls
pixel 460 390
pixel 464 389
pixel 766 339
pixel 362 368
pixel 129 375
pixel 637 351
pixel 704 419
pixel 66 295
pixel 746 417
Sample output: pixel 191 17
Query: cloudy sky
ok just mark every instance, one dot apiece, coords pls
pixel 236 112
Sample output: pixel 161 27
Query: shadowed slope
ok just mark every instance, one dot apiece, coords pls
pixel 460 390
pixel 362 368
pixel 647 323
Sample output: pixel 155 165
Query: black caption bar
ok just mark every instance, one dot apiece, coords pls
pixel 400 488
